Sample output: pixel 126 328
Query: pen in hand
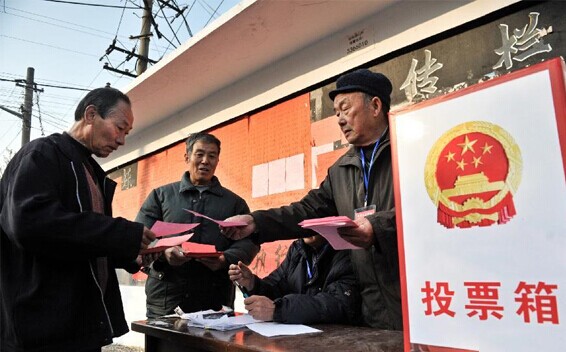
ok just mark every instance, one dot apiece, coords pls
pixel 245 292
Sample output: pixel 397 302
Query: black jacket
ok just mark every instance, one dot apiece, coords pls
pixel 193 286
pixel 329 295
pixel 341 192
pixel 50 299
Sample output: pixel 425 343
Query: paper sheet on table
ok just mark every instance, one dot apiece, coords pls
pixel 165 243
pixel 328 228
pixel 161 228
pixel 197 319
pixel 271 329
pixel 219 222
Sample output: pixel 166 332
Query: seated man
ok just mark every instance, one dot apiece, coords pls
pixel 314 284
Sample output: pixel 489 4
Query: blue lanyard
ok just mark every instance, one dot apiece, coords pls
pixel 366 175
pixel 309 272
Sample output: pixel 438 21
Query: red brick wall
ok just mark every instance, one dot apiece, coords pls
pixel 153 171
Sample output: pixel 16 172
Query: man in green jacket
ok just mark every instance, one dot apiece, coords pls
pixel 358 185
pixel 195 284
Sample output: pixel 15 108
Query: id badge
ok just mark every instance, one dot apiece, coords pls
pixel 363 212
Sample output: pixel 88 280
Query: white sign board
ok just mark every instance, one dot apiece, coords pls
pixel 481 213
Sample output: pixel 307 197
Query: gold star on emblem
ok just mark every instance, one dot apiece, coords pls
pixel 467 145
pixel 461 164
pixel 487 148
pixel 450 156
pixel 477 161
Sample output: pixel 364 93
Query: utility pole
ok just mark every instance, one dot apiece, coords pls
pixel 144 37
pixel 26 108
pixel 28 105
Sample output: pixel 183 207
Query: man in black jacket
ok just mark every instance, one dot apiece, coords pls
pixel 314 284
pixel 359 185
pixel 60 244
pixel 195 284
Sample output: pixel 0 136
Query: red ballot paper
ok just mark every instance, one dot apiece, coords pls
pixel 200 250
pixel 165 243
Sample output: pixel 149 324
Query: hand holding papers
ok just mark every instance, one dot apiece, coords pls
pixel 161 229
pixel 219 222
pixel 328 228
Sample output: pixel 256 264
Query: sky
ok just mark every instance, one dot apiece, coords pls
pixel 66 43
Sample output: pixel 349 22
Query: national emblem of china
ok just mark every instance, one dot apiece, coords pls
pixel 471 174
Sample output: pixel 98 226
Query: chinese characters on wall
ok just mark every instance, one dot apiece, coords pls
pixel 519 45
pixel 522 44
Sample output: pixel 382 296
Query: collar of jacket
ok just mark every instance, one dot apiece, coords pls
pixel 74 150
pixel 315 258
pixel 352 156
pixel 77 153
pixel 186 185
pixel 304 249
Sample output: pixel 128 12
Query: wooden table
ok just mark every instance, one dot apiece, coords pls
pixel 173 335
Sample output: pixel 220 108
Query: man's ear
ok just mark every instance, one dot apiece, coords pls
pixel 376 105
pixel 89 114
pixel 186 157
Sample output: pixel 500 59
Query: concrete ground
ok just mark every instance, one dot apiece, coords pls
pixel 120 348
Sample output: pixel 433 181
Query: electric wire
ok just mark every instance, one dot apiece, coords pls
pixel 87 4
pixel 214 13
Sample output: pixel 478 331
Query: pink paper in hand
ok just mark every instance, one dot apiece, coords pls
pixel 219 222
pixel 334 221
pixel 161 228
pixel 168 242
pixel 328 228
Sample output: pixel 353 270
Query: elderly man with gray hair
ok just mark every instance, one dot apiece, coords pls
pixel 358 185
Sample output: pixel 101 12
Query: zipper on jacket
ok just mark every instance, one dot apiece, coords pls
pixel 77 186
pixel 89 263
pixel 102 299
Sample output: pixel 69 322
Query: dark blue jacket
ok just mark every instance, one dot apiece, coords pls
pixel 328 295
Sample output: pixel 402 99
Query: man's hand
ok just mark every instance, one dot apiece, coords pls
pixel 147 237
pixel 213 263
pixel 260 307
pixel 361 236
pixel 145 260
pixel 242 274
pixel 237 233
pixel 175 256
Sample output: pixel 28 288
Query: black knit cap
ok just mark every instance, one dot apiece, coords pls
pixel 363 80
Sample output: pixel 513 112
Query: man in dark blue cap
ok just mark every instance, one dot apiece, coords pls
pixel 358 185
